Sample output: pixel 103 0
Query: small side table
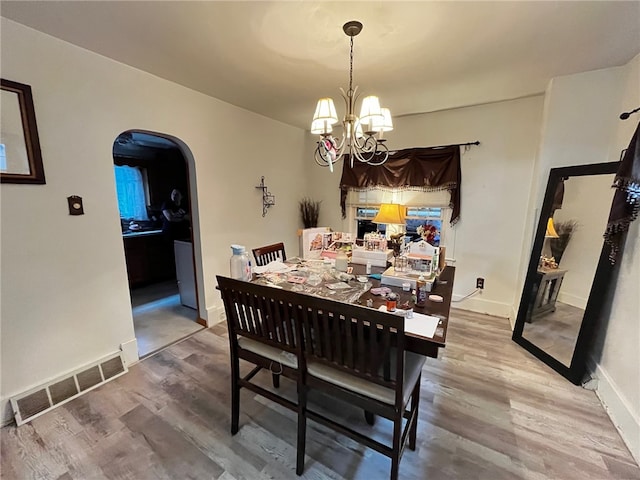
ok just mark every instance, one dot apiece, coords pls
pixel 545 291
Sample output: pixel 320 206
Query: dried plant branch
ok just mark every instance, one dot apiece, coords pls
pixel 309 211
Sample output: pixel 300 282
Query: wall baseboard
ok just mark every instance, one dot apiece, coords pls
pixel 513 316
pixel 130 356
pixel 130 351
pixel 618 409
pixel 479 305
pixel 573 300
pixel 7 412
pixel 215 315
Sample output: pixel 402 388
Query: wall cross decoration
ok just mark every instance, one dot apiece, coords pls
pixel 268 199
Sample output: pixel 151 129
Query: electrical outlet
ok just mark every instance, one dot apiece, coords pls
pixel 480 283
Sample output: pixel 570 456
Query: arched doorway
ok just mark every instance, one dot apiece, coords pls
pixel 149 169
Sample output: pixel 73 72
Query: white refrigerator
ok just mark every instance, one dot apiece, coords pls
pixel 185 273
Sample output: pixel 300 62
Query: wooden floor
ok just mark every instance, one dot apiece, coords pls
pixel 556 332
pixel 489 410
pixel 159 319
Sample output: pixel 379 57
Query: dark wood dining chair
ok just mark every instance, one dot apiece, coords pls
pixel 269 253
pixel 358 355
pixel 262 332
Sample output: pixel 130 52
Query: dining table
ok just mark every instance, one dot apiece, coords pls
pixel 357 287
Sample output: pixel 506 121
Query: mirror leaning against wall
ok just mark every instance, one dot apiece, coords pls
pixel 569 269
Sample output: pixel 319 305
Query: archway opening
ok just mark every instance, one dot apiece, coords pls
pixel 154 200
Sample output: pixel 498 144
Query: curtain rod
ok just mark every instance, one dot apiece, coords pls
pixel 625 115
pixel 468 144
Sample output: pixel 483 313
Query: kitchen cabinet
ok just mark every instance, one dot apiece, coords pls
pixel 149 258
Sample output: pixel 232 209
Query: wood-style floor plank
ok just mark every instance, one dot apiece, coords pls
pixel 489 410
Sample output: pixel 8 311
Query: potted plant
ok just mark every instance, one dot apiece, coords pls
pixel 309 211
pixel 558 245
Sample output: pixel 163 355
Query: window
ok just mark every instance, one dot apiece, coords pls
pixel 131 185
pixel 416 216
pixel 3 158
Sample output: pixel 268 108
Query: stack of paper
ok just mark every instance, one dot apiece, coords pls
pixel 419 324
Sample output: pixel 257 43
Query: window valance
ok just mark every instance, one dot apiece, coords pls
pixel 427 169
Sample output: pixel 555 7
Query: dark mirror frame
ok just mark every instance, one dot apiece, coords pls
pixel 576 371
pixel 31 139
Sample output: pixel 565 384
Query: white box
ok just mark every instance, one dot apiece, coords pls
pixel 378 258
pixel 313 241
pixel 396 279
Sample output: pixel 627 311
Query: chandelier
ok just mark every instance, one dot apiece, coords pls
pixel 362 137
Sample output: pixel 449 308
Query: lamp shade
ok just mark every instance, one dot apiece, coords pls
pixel 325 111
pixel 391 213
pixel 370 110
pixel 551 230
pixel 383 123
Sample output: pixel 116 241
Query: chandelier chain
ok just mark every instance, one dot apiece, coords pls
pixel 351 66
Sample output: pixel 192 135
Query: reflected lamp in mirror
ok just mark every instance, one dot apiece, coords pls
pixel 549 234
pixel 551 230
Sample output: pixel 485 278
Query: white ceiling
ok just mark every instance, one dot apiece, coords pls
pixel 278 58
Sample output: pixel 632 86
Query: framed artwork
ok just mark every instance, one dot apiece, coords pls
pixel 20 156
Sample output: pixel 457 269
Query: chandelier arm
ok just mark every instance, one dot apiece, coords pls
pixel 342 140
pixel 381 155
pixel 372 152
pixel 322 160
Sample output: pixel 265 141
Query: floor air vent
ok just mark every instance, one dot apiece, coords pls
pixel 39 400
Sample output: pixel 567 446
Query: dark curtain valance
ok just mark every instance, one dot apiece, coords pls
pixel 428 169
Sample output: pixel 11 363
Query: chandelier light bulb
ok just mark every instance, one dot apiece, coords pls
pixel 321 127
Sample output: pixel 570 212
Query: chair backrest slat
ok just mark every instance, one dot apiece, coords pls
pixel 316 347
pixel 258 312
pixel 361 355
pixel 348 342
pixel 354 339
pixel 269 253
pixel 361 341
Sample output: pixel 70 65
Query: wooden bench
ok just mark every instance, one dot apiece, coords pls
pixel 354 353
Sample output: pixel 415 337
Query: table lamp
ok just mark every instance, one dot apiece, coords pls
pixel 394 216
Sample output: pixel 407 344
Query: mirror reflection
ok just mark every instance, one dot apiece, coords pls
pixel 567 264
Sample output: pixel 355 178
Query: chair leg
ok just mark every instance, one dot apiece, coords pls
pixel 395 454
pixel 369 417
pixel 415 403
pixel 302 429
pixel 276 380
pixel 235 396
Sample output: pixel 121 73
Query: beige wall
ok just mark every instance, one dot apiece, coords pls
pixel 65 298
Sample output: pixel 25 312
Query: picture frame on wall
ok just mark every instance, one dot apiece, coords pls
pixel 20 155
